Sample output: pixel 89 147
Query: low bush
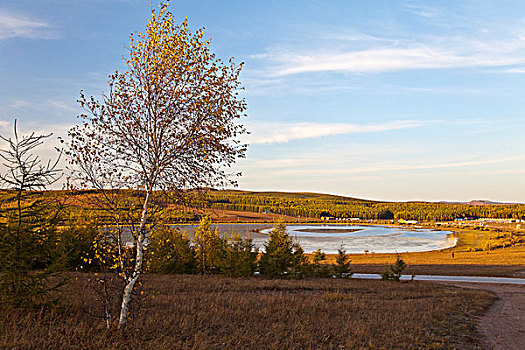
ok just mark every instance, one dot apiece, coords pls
pixel 169 251
pixel 396 270
pixel 240 258
pixel 342 263
pixel 75 244
pixel 282 256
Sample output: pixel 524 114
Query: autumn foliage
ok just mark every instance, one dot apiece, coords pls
pixel 167 124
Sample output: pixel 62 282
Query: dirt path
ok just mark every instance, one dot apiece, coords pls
pixel 504 323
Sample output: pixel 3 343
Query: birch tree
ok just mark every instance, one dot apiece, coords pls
pixel 167 124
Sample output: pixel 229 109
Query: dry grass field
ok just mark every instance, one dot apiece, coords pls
pixel 233 216
pixel 459 260
pixel 211 312
pixel 447 269
pixel 508 262
pixel 511 256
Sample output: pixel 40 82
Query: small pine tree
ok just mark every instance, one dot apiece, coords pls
pixel 210 248
pixel 282 255
pixel 28 234
pixel 398 267
pixel 170 251
pixel 319 256
pixel 342 261
pixel 396 270
pixel 300 266
pixel 241 257
pixel 318 269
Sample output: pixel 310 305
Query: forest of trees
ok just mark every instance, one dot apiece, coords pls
pixel 292 204
pixel 318 205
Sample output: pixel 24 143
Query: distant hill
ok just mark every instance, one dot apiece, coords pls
pixel 317 205
pixel 483 202
pixel 480 202
pixel 333 197
pixel 267 204
pixel 298 195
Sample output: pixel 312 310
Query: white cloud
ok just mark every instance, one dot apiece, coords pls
pixel 520 70
pixel 70 107
pixel 18 104
pixel 325 165
pixel 265 133
pixel 424 11
pixel 18 26
pixel 341 50
pixel 390 59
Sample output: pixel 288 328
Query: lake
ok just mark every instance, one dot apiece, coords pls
pixel 356 238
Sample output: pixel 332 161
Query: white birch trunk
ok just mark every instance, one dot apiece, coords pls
pixel 130 282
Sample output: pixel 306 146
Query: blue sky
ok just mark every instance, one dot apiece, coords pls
pixel 391 100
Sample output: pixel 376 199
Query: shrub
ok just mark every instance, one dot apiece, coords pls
pixel 75 243
pixel 240 258
pixel 169 251
pixel 27 260
pixel 281 255
pixel 210 248
pixel 342 263
pixel 396 270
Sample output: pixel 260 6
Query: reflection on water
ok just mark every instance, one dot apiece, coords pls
pixel 357 239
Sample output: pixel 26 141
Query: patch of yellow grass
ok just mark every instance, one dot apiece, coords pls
pixel 504 256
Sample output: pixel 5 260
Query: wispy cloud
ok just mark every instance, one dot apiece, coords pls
pixel 463 43
pixel 265 133
pixel 25 126
pixel 331 166
pixel 54 105
pixel 392 59
pixel 460 163
pixel 61 105
pixel 18 26
pixel 18 104
pixel 424 10
pixel 4 126
pixel 518 70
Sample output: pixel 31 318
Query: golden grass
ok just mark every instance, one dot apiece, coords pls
pixel 210 312
pixel 447 270
pixel 505 256
pixel 459 260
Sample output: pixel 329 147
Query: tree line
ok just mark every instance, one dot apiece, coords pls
pixel 317 206
pixel 89 204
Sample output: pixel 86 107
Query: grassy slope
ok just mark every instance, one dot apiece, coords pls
pixel 210 312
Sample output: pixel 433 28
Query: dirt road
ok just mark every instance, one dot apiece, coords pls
pixel 504 323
